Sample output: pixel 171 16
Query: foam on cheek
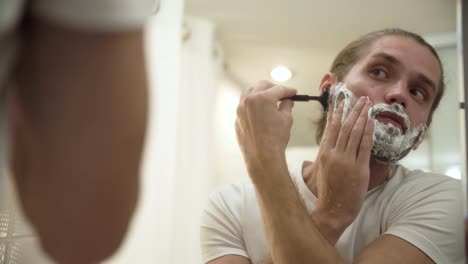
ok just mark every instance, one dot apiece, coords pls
pixel 389 143
pixel 342 93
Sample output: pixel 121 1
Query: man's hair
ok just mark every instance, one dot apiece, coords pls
pixel 354 51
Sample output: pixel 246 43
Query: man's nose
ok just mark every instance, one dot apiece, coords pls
pixel 397 94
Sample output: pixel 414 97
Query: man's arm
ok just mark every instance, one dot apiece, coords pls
pixel 292 235
pixel 231 259
pixel 78 111
pixel 389 249
pixel 294 225
pixel 263 130
pixel 423 223
pixel 302 239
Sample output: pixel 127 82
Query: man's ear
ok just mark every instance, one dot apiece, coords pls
pixel 420 139
pixel 326 82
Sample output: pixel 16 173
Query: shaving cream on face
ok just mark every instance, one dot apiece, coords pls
pixel 390 144
pixel 342 93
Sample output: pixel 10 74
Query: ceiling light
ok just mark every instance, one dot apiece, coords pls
pixel 281 73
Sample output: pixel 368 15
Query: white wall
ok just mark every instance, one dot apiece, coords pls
pixel 178 162
pixel 229 163
pixel 445 130
pixel 152 228
pixel 195 139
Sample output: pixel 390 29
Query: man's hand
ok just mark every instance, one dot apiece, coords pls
pixel 263 126
pixel 342 168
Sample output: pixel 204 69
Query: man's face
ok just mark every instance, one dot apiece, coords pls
pixel 397 70
pixel 400 76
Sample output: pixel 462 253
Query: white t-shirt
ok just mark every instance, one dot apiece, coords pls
pixel 424 209
pixel 17 240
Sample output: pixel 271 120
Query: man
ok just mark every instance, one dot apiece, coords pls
pixel 354 203
pixel 73 97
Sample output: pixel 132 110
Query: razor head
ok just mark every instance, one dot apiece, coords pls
pixel 324 99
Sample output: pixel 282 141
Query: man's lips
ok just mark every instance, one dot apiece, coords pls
pixel 393 119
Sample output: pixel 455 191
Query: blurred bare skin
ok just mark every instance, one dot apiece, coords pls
pixel 78 111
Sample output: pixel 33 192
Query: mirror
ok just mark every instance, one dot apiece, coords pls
pixel 251 38
pixel 305 36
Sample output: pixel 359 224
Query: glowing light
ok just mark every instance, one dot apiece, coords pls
pixel 281 73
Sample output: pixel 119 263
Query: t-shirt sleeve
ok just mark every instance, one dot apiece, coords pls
pixel 221 229
pixel 97 15
pixel 429 215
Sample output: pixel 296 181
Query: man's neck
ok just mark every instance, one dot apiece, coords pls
pixel 379 173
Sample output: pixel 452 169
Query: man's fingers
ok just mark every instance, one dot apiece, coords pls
pixel 279 92
pixel 367 142
pixel 245 93
pixel 262 85
pixel 349 124
pixel 334 127
pixel 259 86
pixel 286 106
pixel 355 137
pixel 270 90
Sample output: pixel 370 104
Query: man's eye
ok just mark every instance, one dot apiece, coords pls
pixel 379 73
pixel 418 94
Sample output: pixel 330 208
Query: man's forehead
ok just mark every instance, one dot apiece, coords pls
pixel 407 52
pixel 398 46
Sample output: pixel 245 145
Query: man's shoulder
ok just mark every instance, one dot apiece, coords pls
pixel 425 209
pixel 233 195
pixel 234 189
pixel 415 180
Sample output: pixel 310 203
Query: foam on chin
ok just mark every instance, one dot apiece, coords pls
pixel 389 143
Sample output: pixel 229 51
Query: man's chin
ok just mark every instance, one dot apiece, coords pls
pixel 388 158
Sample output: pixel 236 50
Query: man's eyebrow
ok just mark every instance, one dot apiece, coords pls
pixel 421 77
pixel 387 57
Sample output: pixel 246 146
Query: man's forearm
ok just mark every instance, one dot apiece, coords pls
pixel 292 234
